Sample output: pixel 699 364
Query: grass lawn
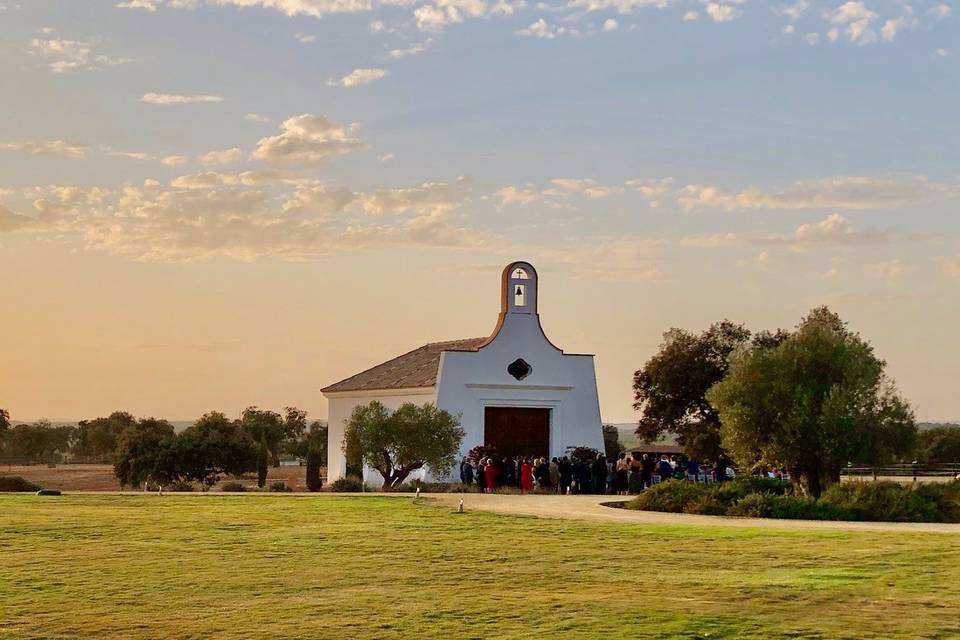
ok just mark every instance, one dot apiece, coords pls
pixel 263 566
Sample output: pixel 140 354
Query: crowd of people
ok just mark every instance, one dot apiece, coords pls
pixel 628 473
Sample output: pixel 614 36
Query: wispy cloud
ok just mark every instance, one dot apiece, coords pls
pixel 51 148
pixel 175 99
pixel 358 77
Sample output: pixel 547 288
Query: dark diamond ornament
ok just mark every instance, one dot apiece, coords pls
pixel 519 369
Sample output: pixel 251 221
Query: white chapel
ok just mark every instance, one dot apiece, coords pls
pixel 515 390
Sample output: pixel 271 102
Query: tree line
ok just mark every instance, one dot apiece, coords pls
pixel 811 400
pixel 148 450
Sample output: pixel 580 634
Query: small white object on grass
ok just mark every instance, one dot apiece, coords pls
pixel 460 508
pixel 418 493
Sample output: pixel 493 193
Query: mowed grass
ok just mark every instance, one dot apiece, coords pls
pixel 271 566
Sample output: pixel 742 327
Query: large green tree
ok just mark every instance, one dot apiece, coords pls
pixel 40 442
pixel 147 452
pixel 213 447
pixel 812 403
pixel 939 444
pixel 397 444
pixel 611 442
pixel 670 390
pixel 97 438
pixel 273 429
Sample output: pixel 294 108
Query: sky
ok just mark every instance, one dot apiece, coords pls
pixel 211 204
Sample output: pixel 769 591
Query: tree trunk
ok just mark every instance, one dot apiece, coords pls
pixel 313 470
pixel 814 486
pixel 394 477
pixel 262 458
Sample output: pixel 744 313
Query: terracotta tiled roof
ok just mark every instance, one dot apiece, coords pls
pixel 418 368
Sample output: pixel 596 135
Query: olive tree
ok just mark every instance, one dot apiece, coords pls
pixel 812 403
pixel 397 444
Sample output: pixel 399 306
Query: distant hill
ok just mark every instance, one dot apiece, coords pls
pixel 924 426
pixel 628 437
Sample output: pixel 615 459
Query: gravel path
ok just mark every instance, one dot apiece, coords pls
pixel 591 508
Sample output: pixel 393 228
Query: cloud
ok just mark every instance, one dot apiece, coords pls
pixel 891 271
pixel 212 179
pixel 855 18
pixel 310 8
pixel 891 27
pixel 513 195
pixel 440 13
pixel 169 99
pixel 225 156
pixel 811 38
pixel 840 192
pixel 173 161
pixel 10 221
pixel 584 186
pixel 610 25
pixel 940 11
pixel 247 216
pixel 941 53
pixel 835 229
pixel 711 241
pixel 542 29
pixel 307 139
pixel 412 50
pixel 52 148
pixel 429 198
pixel 147 5
pixel 723 12
pixel 620 6
pixel 73 55
pixel 255 117
pixel 359 77
pixel 304 38
pixel 796 10
pixel 690 16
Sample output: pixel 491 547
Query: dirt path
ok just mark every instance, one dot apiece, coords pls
pixel 591 508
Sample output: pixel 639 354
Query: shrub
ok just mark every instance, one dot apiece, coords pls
pixel 17 484
pixel 739 488
pixel 179 487
pixel 348 484
pixel 802 508
pixel 892 502
pixel 946 497
pixel 280 487
pixel 233 487
pixel 753 505
pixel 706 505
pixel 672 496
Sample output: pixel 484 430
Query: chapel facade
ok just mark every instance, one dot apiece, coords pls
pixel 514 389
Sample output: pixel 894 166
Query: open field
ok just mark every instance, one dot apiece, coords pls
pixel 254 566
pixel 99 477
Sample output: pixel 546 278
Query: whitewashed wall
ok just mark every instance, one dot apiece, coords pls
pixel 566 384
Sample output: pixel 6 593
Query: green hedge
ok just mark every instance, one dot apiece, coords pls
pixel 349 484
pixel 764 498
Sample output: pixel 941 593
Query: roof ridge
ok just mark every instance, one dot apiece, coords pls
pixel 408 370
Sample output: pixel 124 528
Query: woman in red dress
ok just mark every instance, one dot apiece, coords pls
pixel 490 475
pixel 526 476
